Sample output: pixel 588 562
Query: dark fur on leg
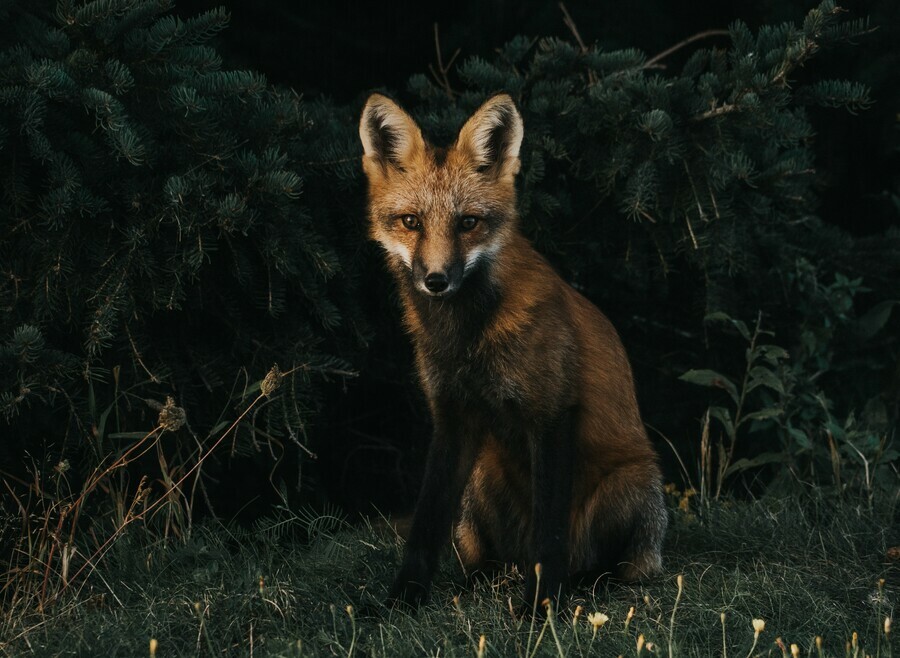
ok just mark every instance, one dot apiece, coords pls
pixel 551 493
pixel 449 463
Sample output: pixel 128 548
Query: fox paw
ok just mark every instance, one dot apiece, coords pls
pixel 407 595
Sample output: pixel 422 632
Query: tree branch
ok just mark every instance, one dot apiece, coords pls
pixel 681 44
pixel 440 74
pixel 570 23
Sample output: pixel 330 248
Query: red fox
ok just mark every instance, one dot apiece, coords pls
pixel 539 454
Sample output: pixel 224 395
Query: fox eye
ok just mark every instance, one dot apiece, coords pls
pixel 411 222
pixel 468 223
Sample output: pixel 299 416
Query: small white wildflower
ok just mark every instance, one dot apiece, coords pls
pixel 597 619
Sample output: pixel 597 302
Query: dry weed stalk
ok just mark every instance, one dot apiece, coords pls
pixel 53 541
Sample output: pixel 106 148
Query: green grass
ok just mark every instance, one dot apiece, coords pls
pixel 807 568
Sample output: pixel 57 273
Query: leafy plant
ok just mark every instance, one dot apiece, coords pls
pixel 753 405
pixel 777 396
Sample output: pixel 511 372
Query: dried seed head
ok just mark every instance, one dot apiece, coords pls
pixel 640 643
pixel 271 382
pixel 759 625
pixel 887 625
pixel 819 642
pixel 171 418
pixel 795 651
pixel 537 569
pixel 153 645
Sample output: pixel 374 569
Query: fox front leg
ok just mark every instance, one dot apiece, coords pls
pixel 552 463
pixel 447 468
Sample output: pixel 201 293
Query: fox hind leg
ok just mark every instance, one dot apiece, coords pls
pixel 469 543
pixel 493 526
pixel 619 530
pixel 642 556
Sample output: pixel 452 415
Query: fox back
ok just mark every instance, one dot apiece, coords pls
pixel 539 453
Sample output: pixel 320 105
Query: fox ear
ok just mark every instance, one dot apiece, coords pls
pixel 389 135
pixel 492 136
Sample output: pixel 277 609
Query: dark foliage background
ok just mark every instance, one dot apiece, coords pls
pixel 174 225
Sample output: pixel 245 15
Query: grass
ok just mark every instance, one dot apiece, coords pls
pixel 807 567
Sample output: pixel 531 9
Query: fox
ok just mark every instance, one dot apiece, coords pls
pixel 539 456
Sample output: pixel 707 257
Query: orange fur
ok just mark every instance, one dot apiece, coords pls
pixel 522 349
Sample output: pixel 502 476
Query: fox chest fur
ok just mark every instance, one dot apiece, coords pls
pixel 505 356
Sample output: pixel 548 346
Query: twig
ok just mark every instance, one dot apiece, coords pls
pixel 323 369
pixel 567 19
pixel 727 108
pixel 326 163
pixel 788 65
pixel 699 206
pixel 139 357
pixel 440 75
pixel 684 469
pixel 570 23
pixel 459 559
pixel 681 44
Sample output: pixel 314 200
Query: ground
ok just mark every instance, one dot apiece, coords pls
pixel 806 566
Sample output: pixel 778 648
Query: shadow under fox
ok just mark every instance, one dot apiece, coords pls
pixel 539 454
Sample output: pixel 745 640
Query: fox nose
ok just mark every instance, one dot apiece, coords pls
pixel 436 282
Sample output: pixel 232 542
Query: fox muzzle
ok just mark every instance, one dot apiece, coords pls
pixel 437 282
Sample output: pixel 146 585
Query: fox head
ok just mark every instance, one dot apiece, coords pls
pixel 441 213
